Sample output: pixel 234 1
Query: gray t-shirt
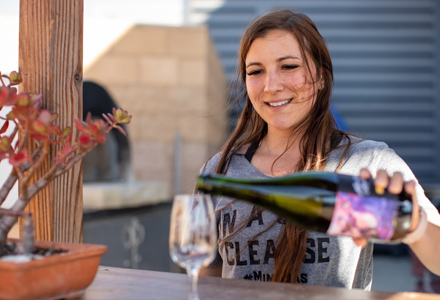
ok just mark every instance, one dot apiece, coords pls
pixel 330 261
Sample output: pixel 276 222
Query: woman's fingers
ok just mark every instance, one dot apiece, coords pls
pixel 410 188
pixel 364 173
pixel 396 183
pixel 381 181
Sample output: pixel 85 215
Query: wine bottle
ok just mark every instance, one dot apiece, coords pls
pixel 321 201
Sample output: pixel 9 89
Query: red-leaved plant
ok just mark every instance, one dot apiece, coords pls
pixel 29 123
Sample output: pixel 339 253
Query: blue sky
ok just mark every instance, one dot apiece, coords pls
pixel 104 21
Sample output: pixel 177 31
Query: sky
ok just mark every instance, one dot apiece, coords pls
pixel 104 21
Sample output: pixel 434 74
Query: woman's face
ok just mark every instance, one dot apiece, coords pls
pixel 278 81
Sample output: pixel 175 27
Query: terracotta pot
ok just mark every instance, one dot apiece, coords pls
pixel 60 276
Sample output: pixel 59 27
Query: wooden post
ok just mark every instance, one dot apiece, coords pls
pixel 50 60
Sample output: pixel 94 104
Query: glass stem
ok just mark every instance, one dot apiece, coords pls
pixel 193 277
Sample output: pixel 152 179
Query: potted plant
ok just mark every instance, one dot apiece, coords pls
pixel 25 263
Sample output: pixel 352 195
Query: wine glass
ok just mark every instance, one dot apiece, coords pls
pixel 193 236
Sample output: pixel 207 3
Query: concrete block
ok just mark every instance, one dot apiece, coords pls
pixel 130 98
pixel 188 99
pixel 153 161
pixel 193 128
pixel 142 40
pixel 188 41
pixel 159 70
pixel 155 128
pixel 194 155
pixel 114 69
pixel 193 72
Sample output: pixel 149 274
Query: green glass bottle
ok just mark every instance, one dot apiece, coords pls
pixel 320 201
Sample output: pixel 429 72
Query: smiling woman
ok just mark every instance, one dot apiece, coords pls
pixel 287 126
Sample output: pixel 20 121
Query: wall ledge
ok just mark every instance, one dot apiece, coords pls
pixel 118 195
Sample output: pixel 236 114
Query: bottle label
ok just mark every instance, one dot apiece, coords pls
pixel 362 216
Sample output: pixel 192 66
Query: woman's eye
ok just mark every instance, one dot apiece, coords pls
pixel 289 67
pixel 254 72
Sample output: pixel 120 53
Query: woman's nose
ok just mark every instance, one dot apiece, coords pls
pixel 273 83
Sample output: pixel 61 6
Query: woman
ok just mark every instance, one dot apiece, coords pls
pixel 287 126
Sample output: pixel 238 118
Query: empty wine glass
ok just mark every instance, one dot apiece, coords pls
pixel 193 236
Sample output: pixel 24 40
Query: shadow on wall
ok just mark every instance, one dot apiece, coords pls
pixel 109 161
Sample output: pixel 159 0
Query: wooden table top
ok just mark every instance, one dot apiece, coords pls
pixel 127 284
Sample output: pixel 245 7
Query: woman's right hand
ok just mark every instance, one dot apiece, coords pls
pixel 395 185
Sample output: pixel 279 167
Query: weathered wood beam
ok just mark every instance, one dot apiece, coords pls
pixel 51 63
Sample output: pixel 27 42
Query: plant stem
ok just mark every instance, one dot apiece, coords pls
pixel 27 245
pixel 7 185
pixel 10 218
pixel 39 154
pixel 1 79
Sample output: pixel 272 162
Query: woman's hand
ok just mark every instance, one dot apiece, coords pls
pixel 395 184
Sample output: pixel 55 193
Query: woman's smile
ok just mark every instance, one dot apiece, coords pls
pixel 279 103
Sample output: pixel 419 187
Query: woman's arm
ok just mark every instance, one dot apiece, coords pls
pixel 427 248
pixel 211 271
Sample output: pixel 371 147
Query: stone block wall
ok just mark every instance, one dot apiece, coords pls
pixel 172 82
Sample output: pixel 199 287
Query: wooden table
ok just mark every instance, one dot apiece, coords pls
pixel 128 284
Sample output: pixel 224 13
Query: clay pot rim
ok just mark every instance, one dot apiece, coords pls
pixel 74 251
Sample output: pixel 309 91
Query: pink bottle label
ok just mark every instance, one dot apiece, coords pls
pixel 363 216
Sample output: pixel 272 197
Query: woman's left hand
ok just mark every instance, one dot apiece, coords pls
pixel 394 184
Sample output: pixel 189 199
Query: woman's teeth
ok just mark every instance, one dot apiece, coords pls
pixel 280 103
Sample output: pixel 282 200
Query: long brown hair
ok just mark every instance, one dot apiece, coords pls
pixel 321 134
